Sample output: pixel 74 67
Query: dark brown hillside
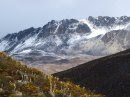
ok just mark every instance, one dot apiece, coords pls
pixel 108 75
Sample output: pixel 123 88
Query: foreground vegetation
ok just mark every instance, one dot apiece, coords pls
pixel 17 80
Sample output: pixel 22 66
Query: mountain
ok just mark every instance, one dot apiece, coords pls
pixel 18 80
pixel 108 75
pixel 68 40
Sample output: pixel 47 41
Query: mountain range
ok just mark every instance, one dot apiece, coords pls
pixel 60 45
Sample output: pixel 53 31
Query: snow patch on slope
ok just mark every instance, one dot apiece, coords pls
pixel 58 25
pixel 26 51
pixel 27 43
pixel 3 45
pixel 74 38
pixel 95 31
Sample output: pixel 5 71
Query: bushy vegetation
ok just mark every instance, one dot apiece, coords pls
pixel 18 80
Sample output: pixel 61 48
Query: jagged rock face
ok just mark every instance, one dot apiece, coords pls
pixel 20 35
pixel 62 27
pixel 69 38
pixel 109 21
pixel 102 21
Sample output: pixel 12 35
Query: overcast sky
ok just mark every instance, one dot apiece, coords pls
pixel 16 15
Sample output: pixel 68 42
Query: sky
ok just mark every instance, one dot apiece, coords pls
pixel 16 15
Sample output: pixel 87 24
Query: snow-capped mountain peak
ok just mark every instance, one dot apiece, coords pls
pixel 70 38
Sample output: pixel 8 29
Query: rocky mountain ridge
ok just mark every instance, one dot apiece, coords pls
pixel 69 39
